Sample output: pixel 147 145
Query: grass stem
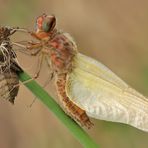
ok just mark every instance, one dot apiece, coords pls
pixel 45 98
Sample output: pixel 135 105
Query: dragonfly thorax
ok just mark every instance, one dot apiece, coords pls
pixel 62 53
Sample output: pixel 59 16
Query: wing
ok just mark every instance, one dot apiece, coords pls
pixel 103 95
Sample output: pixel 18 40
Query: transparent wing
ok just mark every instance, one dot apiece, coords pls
pixel 97 69
pixel 105 96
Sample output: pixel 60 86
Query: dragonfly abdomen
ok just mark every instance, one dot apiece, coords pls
pixel 70 107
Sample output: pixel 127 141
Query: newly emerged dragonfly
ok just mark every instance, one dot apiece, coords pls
pixel 86 88
pixel 9 67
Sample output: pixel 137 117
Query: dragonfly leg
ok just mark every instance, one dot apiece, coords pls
pixel 30 46
pixel 38 69
pixel 48 61
pixel 39 66
pixel 33 34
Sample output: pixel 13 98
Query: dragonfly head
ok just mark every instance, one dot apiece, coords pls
pixel 46 23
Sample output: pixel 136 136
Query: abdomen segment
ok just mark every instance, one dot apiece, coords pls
pixel 70 107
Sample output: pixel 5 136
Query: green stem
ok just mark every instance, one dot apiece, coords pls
pixel 75 129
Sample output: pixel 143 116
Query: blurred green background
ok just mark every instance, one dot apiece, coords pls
pixel 113 32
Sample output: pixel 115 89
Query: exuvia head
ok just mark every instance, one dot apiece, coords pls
pixel 45 23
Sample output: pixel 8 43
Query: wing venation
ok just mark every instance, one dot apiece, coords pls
pixel 103 95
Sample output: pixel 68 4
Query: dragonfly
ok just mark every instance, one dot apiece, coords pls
pixel 86 88
pixel 9 66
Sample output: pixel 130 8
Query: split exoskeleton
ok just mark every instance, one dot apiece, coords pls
pixel 9 67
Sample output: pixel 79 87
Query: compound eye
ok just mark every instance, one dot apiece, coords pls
pixel 49 23
pixel 45 23
pixel 39 22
